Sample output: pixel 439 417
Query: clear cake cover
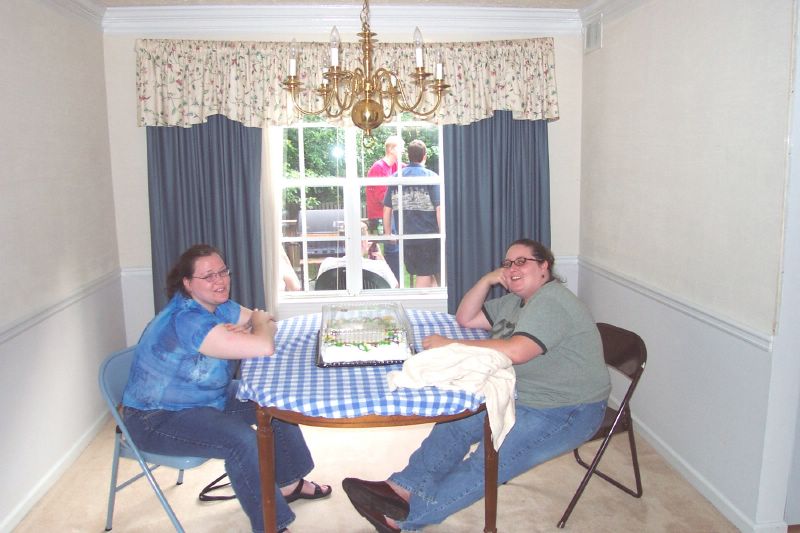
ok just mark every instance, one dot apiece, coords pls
pixel 374 334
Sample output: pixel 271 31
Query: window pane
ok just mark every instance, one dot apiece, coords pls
pixel 323 152
pixel 421 262
pixel 367 155
pixel 313 231
pixel 376 272
pixel 324 197
pixel 291 158
pixel 289 212
pixel 430 136
pixel 291 267
pixel 324 223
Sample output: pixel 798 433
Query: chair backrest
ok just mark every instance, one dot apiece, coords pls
pixel 333 279
pixel 113 377
pixel 336 279
pixel 623 350
pixel 373 280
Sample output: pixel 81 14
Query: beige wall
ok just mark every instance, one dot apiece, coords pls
pixel 685 121
pixel 57 230
pixel 63 309
pixel 129 157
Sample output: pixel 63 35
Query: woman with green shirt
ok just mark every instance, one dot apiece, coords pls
pixel 562 388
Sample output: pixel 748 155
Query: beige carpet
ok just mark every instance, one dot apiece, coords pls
pixel 531 503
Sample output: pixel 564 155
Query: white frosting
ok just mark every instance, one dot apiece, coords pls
pixel 354 354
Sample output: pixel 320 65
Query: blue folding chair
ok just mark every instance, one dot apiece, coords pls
pixel 113 377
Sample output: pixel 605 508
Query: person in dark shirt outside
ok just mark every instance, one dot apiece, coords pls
pixel 421 213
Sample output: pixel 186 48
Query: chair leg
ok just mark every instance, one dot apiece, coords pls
pixel 159 493
pixel 112 491
pixel 592 469
pixel 634 460
pixel 584 481
pixel 180 477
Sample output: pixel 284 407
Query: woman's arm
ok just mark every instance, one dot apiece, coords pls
pixel 241 342
pixel 518 348
pixel 470 311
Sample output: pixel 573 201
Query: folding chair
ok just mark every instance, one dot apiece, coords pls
pixel 336 279
pixel 625 352
pixel 113 377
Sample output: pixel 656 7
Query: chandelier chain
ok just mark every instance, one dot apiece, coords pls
pixel 365 14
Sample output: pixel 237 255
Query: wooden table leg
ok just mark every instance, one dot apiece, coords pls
pixel 490 483
pixel 266 466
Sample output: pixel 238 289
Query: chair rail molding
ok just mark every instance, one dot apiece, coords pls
pixel 758 339
pixel 9 331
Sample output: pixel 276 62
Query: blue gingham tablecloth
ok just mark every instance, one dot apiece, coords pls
pixel 290 379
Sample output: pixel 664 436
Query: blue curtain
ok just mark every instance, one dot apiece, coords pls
pixel 497 182
pixel 204 187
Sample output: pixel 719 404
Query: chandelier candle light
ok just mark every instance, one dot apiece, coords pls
pixel 372 96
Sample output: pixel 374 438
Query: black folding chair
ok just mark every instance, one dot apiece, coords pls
pixel 336 279
pixel 625 352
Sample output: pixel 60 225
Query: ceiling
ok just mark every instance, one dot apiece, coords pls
pixel 541 4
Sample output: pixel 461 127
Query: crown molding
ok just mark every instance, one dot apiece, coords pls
pixel 609 9
pixel 281 22
pixel 85 9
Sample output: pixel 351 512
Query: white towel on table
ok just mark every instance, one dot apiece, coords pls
pixel 469 368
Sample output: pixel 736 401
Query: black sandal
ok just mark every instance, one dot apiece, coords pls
pixel 297 493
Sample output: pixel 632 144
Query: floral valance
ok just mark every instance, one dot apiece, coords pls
pixel 182 82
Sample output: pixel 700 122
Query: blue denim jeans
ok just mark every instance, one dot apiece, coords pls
pixel 443 479
pixel 228 435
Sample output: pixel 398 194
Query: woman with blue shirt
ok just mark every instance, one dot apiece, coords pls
pixel 181 397
pixel 562 385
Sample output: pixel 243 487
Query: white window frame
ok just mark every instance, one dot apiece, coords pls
pixel 351 188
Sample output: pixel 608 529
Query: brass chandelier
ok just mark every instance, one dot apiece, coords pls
pixel 372 96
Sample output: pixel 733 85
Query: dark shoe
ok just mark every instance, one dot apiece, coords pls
pixel 377 495
pixel 298 494
pixel 375 518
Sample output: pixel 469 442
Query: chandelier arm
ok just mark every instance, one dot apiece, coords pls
pixel 402 100
pixel 356 86
pixel 383 78
pixel 438 91
pixel 323 109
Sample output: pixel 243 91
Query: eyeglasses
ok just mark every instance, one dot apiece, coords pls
pixel 519 261
pixel 214 276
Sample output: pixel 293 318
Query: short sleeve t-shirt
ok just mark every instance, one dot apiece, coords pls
pixel 168 371
pixel 375 193
pixel 571 370
pixel 419 202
